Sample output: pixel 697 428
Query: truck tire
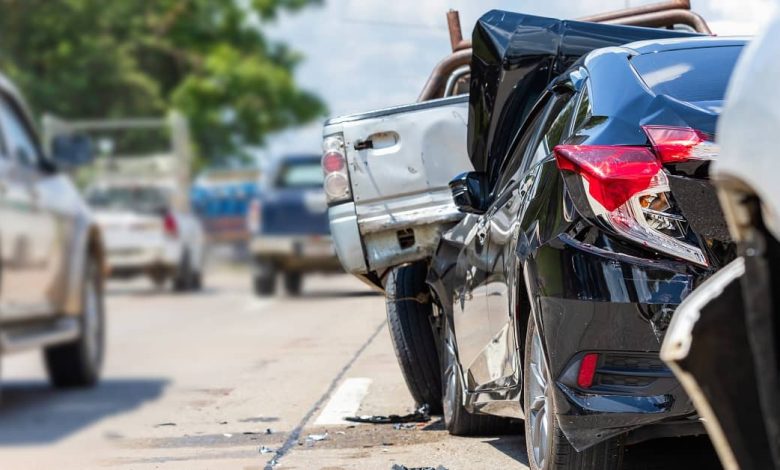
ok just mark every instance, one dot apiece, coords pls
pixel 293 283
pixel 458 420
pixel 264 277
pixel 78 363
pixel 409 313
pixel 182 281
pixel 548 448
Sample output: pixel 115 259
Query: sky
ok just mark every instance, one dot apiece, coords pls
pixel 361 55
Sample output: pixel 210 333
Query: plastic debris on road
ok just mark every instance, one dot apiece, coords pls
pixel 404 467
pixel 312 438
pixel 266 450
pixel 421 415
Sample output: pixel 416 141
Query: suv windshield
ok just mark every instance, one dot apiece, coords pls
pixel 306 174
pixel 692 75
pixel 136 199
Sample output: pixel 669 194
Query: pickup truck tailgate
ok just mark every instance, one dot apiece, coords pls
pixel 400 162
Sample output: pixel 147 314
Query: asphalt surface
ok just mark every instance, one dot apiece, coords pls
pixel 222 379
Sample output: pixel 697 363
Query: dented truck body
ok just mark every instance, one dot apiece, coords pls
pixel 399 161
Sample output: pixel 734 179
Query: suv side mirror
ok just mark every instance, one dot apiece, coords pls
pixel 469 191
pixel 72 150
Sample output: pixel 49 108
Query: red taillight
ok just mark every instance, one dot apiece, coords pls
pixel 587 370
pixel 681 144
pixel 170 226
pixel 332 161
pixel 614 174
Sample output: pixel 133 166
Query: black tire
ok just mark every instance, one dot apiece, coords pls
pixel 184 275
pixel 409 313
pixel 559 454
pixel 457 420
pixel 159 279
pixel 293 283
pixel 264 278
pixel 197 281
pixel 78 363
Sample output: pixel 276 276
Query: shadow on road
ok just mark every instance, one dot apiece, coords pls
pixel 35 413
pixel 682 453
pixel 329 294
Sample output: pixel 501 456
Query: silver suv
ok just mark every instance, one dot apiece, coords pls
pixel 51 254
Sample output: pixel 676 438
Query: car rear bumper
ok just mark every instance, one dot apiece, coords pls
pixel 126 262
pixel 618 307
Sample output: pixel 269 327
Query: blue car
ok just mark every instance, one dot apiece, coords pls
pixel 288 223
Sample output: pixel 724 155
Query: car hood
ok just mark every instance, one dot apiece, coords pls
pixel 515 58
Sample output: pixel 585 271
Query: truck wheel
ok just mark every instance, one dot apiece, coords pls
pixel 548 448
pixel 457 420
pixel 78 363
pixel 293 283
pixel 264 277
pixel 409 313
pixel 182 281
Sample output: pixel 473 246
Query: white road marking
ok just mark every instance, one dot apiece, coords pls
pixel 344 402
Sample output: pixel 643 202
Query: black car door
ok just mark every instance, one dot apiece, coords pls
pixel 517 180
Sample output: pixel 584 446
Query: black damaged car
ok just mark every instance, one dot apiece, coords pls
pixel 588 221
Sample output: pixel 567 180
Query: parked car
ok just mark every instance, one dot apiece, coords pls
pixel 723 340
pixel 387 171
pixel 146 234
pixel 288 223
pixel 554 292
pixel 51 251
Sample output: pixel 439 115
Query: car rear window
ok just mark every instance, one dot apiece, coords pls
pixel 301 175
pixel 691 75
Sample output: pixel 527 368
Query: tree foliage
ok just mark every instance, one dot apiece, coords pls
pixel 129 58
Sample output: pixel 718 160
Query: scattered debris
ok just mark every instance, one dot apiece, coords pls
pixel 404 467
pixel 223 422
pixel 266 450
pixel 227 434
pixel 164 424
pixel 268 431
pixel 421 415
pixel 317 437
pixel 399 426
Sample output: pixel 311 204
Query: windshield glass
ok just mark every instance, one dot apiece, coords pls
pixel 136 199
pixel 301 175
pixel 692 75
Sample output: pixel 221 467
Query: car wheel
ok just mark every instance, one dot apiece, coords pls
pixel 158 279
pixel 457 420
pixel 548 448
pixel 264 277
pixel 409 313
pixel 293 283
pixel 184 275
pixel 78 363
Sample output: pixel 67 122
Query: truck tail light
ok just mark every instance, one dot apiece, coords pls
pixel 334 168
pixel 170 226
pixel 628 190
pixel 254 216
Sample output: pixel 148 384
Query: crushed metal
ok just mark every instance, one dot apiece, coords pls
pixel 421 415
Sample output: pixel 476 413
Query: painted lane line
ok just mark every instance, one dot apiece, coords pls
pixel 295 434
pixel 345 402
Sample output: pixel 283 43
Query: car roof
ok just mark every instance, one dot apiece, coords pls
pixel 673 44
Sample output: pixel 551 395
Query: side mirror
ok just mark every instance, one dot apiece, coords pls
pixel 469 191
pixel 71 151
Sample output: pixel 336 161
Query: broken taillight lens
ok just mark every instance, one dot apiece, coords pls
pixel 334 167
pixel 681 144
pixel 628 190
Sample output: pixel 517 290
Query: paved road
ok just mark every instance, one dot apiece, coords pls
pixel 206 381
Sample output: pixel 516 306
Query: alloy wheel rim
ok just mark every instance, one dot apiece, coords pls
pixel 540 419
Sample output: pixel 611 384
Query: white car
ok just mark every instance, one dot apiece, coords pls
pixel 145 235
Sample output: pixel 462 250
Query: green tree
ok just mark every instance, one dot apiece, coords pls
pixel 129 58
